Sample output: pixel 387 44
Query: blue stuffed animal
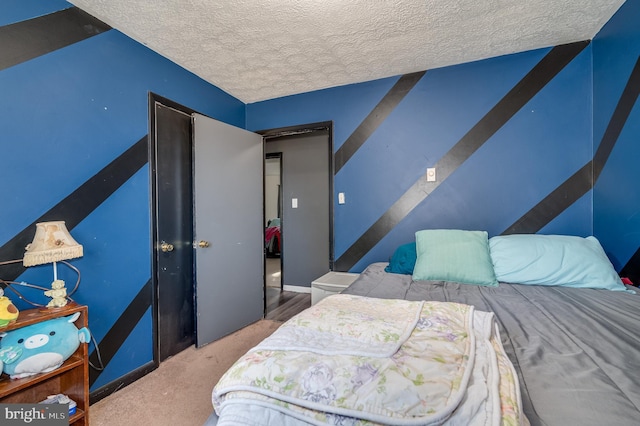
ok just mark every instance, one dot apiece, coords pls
pixel 42 347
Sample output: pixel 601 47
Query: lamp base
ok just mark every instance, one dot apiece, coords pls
pixel 69 306
pixel 58 294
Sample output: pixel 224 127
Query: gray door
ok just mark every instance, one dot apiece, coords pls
pixel 229 233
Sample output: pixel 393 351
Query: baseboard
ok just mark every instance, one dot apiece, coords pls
pixel 296 288
pixel 106 390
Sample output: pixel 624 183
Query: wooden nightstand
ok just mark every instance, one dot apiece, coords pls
pixel 330 283
pixel 71 378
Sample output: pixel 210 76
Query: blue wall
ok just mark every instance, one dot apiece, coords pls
pixel 616 51
pixel 65 114
pixel 512 139
pixel 539 144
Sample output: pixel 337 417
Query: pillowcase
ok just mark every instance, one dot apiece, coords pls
pixel 553 260
pixel 403 260
pixel 454 255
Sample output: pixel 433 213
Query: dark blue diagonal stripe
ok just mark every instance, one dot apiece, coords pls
pixel 79 204
pixel 23 41
pixel 510 104
pixel 618 120
pixel 632 269
pixel 584 179
pixel 388 103
pixel 118 333
pixel 555 203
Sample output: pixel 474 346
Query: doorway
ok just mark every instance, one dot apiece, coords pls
pixel 272 220
pixel 305 201
pixel 306 155
pixel 206 182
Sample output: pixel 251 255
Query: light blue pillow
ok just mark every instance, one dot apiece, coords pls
pixel 553 260
pixel 454 255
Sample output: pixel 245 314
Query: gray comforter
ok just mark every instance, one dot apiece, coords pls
pixel 576 351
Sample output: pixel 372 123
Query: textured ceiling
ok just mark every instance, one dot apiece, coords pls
pixel 264 49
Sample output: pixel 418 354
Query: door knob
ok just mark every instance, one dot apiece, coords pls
pixel 203 244
pixel 165 247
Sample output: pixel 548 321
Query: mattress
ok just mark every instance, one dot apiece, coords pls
pixel 576 351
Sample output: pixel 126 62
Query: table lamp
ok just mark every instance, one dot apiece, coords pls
pixel 52 243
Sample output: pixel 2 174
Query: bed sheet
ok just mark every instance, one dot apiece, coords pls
pixel 576 351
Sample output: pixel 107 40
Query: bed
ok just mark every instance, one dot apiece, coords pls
pixel 570 330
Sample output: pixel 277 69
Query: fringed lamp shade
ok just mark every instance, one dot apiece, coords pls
pixel 52 243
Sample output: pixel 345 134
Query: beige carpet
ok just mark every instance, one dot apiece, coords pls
pixel 179 391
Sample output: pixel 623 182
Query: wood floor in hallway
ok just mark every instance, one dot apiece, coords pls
pixel 282 305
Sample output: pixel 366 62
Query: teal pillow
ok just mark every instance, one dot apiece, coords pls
pixel 454 255
pixel 403 260
pixel 553 260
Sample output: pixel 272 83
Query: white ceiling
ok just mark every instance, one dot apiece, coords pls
pixel 264 49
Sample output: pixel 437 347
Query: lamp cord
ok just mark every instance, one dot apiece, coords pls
pixel 25 284
pixel 101 367
pixel 6 284
pixel 20 295
pixel 8 262
pixel 77 281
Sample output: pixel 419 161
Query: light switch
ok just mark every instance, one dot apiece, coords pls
pixel 341 198
pixel 294 203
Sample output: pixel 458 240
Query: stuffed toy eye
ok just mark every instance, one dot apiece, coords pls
pixel 21 340
pixel 53 333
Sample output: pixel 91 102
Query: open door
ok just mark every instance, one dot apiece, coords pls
pixel 228 228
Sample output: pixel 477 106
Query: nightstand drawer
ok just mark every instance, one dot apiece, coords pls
pixel 330 283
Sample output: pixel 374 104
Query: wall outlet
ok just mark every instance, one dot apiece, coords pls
pixel 431 174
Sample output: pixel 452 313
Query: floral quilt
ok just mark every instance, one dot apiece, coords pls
pixel 353 360
pixel 348 325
